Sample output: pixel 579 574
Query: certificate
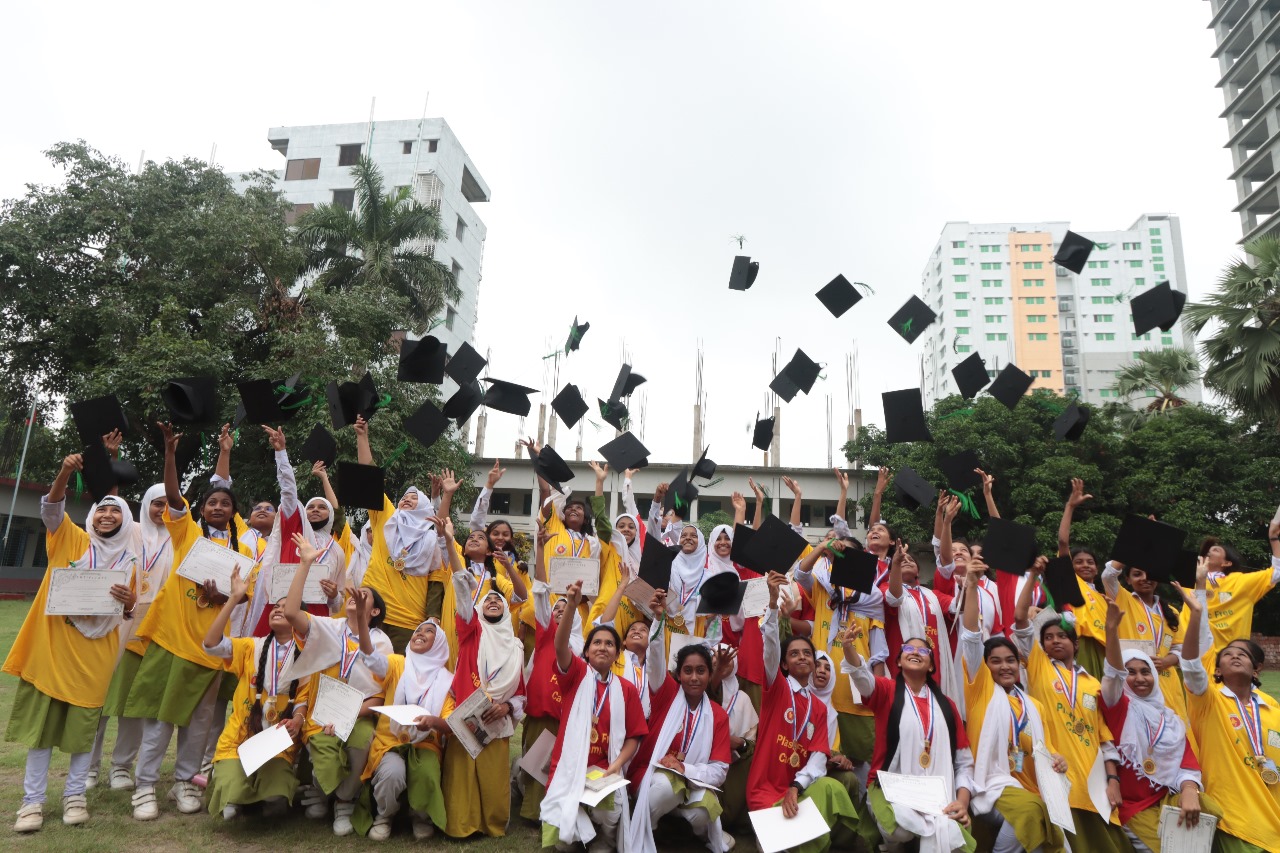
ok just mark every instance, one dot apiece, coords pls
pixel 405 715
pixel 598 786
pixel 282 578
pixel 338 705
pixel 476 736
pixel 1053 790
pixel 263 747
pixel 755 599
pixel 564 571
pixel 208 560
pixel 924 794
pixel 775 831
pixel 640 594
pixel 1185 839
pixel 537 761
pixel 84 592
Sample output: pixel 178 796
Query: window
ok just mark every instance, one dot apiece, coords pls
pixel 994 318
pixel 1108 392
pixel 1132 247
pixel 1105 336
pixel 1104 318
pixel 349 155
pixel 1154 232
pixel 1029 247
pixel 960 279
pixel 1041 374
pixel 988 248
pixel 1137 265
pixel 1140 282
pixel 1033 265
pixel 1157 267
pixel 992 282
pixel 1100 282
pixel 963 347
pixel 961 313
pixel 962 330
pixel 1103 300
pixel 1099 265
pixel 456 269
pixel 1037 318
pixel 991 265
pixel 1167 340
pixel 1145 337
pixel 1033 300
pixel 961 294
pixel 499 502
pixel 408 147
pixel 1037 336
pixel 1033 282
pixel 298 209
pixel 346 199
pixel 432 144
pixel 957 244
pixel 461 230
pixel 958 262
pixel 997 336
pixel 302 170
pixel 449 316
pixel 993 300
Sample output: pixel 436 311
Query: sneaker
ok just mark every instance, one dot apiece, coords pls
pixel 187 796
pixel 30 818
pixel 381 829
pixel 75 810
pixel 423 828
pixel 314 801
pixel 120 779
pixel 275 807
pixel 91 779
pixel 145 806
pixel 230 811
pixel 342 812
pixel 729 841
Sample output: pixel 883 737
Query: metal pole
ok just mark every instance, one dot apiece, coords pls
pixel 17 480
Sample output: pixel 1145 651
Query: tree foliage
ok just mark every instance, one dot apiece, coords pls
pixel 712 520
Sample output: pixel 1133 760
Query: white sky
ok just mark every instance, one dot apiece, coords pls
pixel 625 143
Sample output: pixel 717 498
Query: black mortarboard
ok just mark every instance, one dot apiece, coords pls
pixel 366 396
pixel 1069 425
pixel 721 595
pixel 1153 546
pixel 625 452
pixel 626 383
pixel 422 361
pixel 912 319
pixel 680 494
pixel 970 376
pixel 552 468
pixel 426 424
pixel 904 416
pixel 742 534
pixel 774 547
pixel 508 397
pixel 99 478
pixel 1184 570
pixel 854 569
pixel 464 402
pixel 576 332
pixel 784 386
pixel 191 400
pixel 958 469
pixel 1060 578
pixel 465 365
pixel 655 563
pixel 1009 385
pixel 744 272
pixel 125 472
pixel 569 405
pixel 838 295
pixel 1073 252
pixel 343 403
pixel 614 413
pixel 1160 306
pixel 98 417
pixel 360 486
pixel 704 467
pixel 762 437
pixel 291 397
pixel 802 370
pixel 320 446
pixel 912 489
pixel 260 401
pixel 1009 547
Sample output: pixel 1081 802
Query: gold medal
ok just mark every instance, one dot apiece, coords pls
pixel 595 735
pixel 1148 766
pixel 270 712
pixel 795 759
pixel 1079 727
pixel 679 756
pixel 1270 776
pixel 202 601
pixel 925 760
pixel 404 737
pixel 398 564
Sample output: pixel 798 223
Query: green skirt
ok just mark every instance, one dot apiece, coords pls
pixel 231 787
pixel 227 689
pixel 888 821
pixel 1029 817
pixel 329 762
pixel 121 684
pixel 1224 843
pixel 41 722
pixel 167 688
pixel 857 736
pixel 1091 655
pixel 836 809
pixel 422 779
pixel 1146 823
pixel 534 791
pixel 734 797
pixel 1093 833
pixel 680 787
pixel 398 636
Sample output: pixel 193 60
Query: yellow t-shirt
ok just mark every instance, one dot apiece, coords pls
pixel 405 595
pixel 383 740
pixel 178 620
pixel 1139 622
pixel 1091 619
pixel 979 687
pixel 826 623
pixel 50 652
pixel 1231 599
pixel 243 664
pixel 450 608
pixel 1250 808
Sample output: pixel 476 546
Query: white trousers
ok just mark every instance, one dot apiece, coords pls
pixel 191 742
pixel 128 739
pixel 663 801
pixel 389 782
pixel 35 781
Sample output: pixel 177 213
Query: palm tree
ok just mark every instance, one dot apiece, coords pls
pixel 387 240
pixel 1243 353
pixel 1160 373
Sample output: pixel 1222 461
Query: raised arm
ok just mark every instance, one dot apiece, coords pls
pixel 448 486
pixel 882 482
pixel 629 494
pixel 217 628
pixel 758 519
pixel 1022 607
pixel 364 454
pixel 895 571
pixel 297 615
pixel 480 512
pixel 58 490
pixel 1113 677
pixel 769 630
pixel 739 508
pixel 321 472
pixel 948 508
pixel 226 441
pixel 970 616
pixel 284 471
pixel 843 479
pixel 796 511
pixel 655 659
pixel 1194 643
pixel 564 652
pixel 172 491
pixel 1076 498
pixel 988 481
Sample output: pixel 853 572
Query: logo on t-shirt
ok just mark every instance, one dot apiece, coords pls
pixel 1234 720
pixel 1089 701
pixel 1273 738
pixel 1142 629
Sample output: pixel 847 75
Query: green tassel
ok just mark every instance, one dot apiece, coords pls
pixel 396 454
pixel 383 402
pixel 79 490
pixel 715 482
pixel 906 327
pixel 831 546
pixel 679 503
pixel 768 501
pixel 968 411
pixel 966 504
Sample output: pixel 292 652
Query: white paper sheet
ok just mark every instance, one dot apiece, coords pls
pixel 1098 787
pixel 1147 647
pixel 755 600
pixel 692 782
pixel 337 704
pixel 640 594
pixel 600 787
pixel 563 571
pixel 472 710
pixel 775 832
pixel 1184 839
pixel 263 747
pixel 282 578
pixel 537 761
pixel 924 794
pixel 405 715
pixel 1053 790
pixel 678 642
pixel 79 592
pixel 209 561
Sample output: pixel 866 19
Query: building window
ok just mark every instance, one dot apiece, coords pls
pixel 1104 318
pixel 997 336
pixel 500 503
pixel 1167 340
pixel 1154 232
pixel 1033 300
pixel 957 244
pixel 1033 282
pixel 1137 265
pixel 302 170
pixel 408 147
pixel 992 282
pixel 961 294
pixel 1099 265
pixel 988 249
pixel 994 318
pixel 1037 318
pixel 449 316
pixel 460 230
pixel 456 269
pixel 1100 282
pixel 1140 282
pixel 1037 336
pixel 1105 336
pixel 993 300
pixel 1108 392
pixel 962 330
pixel 958 262
pixel 991 265
pixel 961 279
pixel 1157 267
pixel 1033 265
pixel 1103 300
pixel 1132 247
pixel 963 348
pixel 432 144
pixel 346 199
pixel 961 313
pixel 298 209
pixel 1029 247
pixel 349 155
pixel 1041 374
pixel 1145 337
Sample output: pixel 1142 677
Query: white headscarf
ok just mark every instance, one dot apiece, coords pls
pixel 360 554
pixel 715 563
pixel 157 550
pixel 318 538
pixel 121 551
pixel 628 555
pixel 426 677
pixel 1144 719
pixel 411 536
pixel 824 693
pixel 499 662
pixel 688 571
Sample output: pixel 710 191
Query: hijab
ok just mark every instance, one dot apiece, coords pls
pixel 629 555
pixel 411 537
pixel 426 677
pixel 687 574
pixel 499 662
pixel 320 537
pixel 824 693
pixel 1145 717
pixel 157 551
pixel 122 551
pixel 715 563
pixel 360 552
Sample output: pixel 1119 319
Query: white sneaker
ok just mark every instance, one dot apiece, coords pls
pixel 187 796
pixel 314 801
pixel 121 779
pixel 230 811
pixel 729 841
pixel 342 817
pixel 381 829
pixel 30 818
pixel 75 810
pixel 145 806
pixel 423 828
pixel 91 780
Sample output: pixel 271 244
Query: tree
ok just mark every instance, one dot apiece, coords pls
pixel 385 242
pixel 712 520
pixel 1160 374
pixel 1243 350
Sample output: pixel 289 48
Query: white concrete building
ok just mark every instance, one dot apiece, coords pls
pixel 997 292
pixel 423 155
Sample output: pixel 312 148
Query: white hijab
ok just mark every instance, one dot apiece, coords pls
pixel 824 694
pixel 501 655
pixel 716 564
pixel 360 555
pixel 157 550
pixel 688 571
pixel 321 537
pixel 411 536
pixel 628 555
pixel 426 679
pixel 1144 719
pixel 121 551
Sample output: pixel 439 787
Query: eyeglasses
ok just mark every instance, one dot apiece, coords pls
pixel 917 650
pixel 264 508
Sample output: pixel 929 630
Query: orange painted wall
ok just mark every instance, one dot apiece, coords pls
pixel 1032 355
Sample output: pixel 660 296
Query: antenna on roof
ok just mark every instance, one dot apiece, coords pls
pixel 417 146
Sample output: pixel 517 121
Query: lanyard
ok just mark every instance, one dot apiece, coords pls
pixel 280 654
pixel 93 558
pixel 1155 621
pixel 598 706
pixel 1068 690
pixel 732 702
pixel 1154 738
pixel 479 576
pixel 150 564
pixel 577 541
pixel 348 663
pixel 925 719
pixel 686 592
pixel 1252 722
pixel 918 597
pixel 797 726
pixel 1021 718
pixel 687 733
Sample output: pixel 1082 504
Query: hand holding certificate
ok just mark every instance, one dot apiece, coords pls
pixel 755 601
pixel 208 560
pixel 1185 839
pixel 76 592
pixel 924 794
pixel 338 705
pixel 1053 790
pixel 404 715
pixel 282 578
pixel 775 831
pixel 468 725
pixel 564 571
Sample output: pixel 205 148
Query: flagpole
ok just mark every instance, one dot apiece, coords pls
pixel 17 480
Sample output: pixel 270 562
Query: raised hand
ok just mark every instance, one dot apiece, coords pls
pixel 239 585
pixel 573 595
pixel 275 437
pixel 988 480
pixel 171 438
pixel 792 485
pixel 306 551
pixel 602 471
pixel 226 439
pixel 1077 493
pixel 319 470
pixel 111 441
pixel 738 502
pixel 842 478
pixel 448 482
pixel 73 462
pixel 882 479
pixel 495 474
pixel 361 426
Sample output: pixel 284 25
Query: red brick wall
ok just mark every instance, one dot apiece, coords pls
pixel 1271 645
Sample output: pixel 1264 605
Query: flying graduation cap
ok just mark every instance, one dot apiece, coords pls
pixel 680 494
pixel 624 452
pixel 912 489
pixel 1069 425
pixel 426 424
pixel 320 446
pixel 704 467
pixel 838 296
pixel 98 417
pixel 552 467
pixel 614 413
pixel 904 416
pixel 762 436
pixel 970 376
pixel 569 405
pixel 626 383
pixel 422 361
pixel 351 400
pixel 798 374
pixel 465 366
pixel 192 400
pixel 1160 306
pixel 508 397
pixel 1073 252
pixel 1010 385
pixel 464 402
pixel 575 336
pixel 744 273
pixel 912 319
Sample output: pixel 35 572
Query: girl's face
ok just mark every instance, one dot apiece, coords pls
pixel 409 501
pixel 627 527
pixel 1142 585
pixel 822 674
pixel 1235 660
pixel 878 540
pixel 423 638
pixel 693 676
pixel 637 638
pixel 799 660
pixel 500 536
pixel 218 509
pixel 276 621
pixel 155 510
pixel 1086 567
pixel 476 547
pixel 1058 644
pixel 262 516
pixel 1003 664
pixel 494 605
pixel 910 571
pixel 574 515
pixel 1139 677
pixel 960 553
pixel 317 512
pixel 916 657
pixel 557 611
pixel 689 539
pixel 602 651
pixel 351 605
pixel 723 544
pixel 1217 558
pixel 107 518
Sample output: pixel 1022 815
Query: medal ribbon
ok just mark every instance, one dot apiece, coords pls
pixel 1156 624
pixel 577 541
pixel 150 564
pixel 926 721
pixel 1021 719
pixel 479 576
pixel 280 654
pixel 1153 739
pixel 348 663
pixel 687 733
pixel 598 705
pixel 796 725
pixel 686 592
pixel 1069 691
pixel 1252 722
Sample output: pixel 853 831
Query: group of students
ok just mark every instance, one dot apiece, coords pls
pixel 975 681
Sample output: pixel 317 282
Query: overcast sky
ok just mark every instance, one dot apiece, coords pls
pixel 625 143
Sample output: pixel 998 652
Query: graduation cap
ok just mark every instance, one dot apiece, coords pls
pixel 1184 569
pixel 838 295
pixel 291 396
pixel 762 437
pixel 1073 252
pixel 260 403
pixel 575 336
pixel 320 446
pixel 970 376
pixel 912 489
pixel 422 360
pixel 344 400
pixel 744 273
pixel 680 494
pixel 1069 425
pixel 904 416
pixel 912 319
pixel 1010 385
pixel 552 468
pixel 569 405
pixel 191 400
pixel 721 595
pixel 626 383
pixel 508 397
pixel 704 467
pixel 614 413
pixel 125 472
pixel 1153 546
pixel 958 469
pixel 1008 546
pixel 99 478
pixel 774 547
pixel 625 452
pixel 465 365
pixel 464 402
pixel 742 534
pixel 360 486
pixel 801 371
pixel 784 386
pixel 854 569
pixel 98 417
pixel 426 424
pixel 655 562
pixel 1060 578
pixel 1160 306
